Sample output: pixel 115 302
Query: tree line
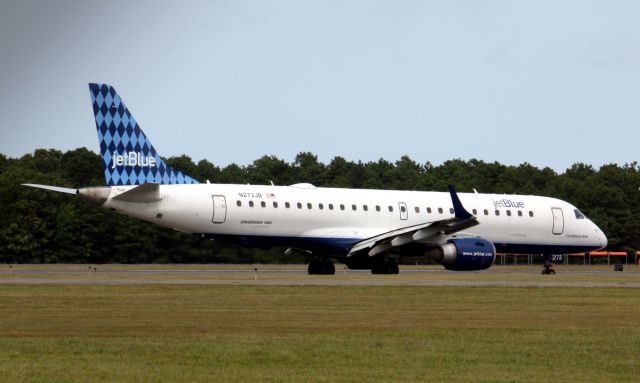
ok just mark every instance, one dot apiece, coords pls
pixel 37 226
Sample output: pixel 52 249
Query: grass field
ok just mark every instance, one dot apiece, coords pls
pixel 190 333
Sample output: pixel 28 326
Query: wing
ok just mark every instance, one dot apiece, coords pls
pixel 430 233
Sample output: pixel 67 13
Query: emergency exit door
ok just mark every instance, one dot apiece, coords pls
pixel 404 213
pixel 219 209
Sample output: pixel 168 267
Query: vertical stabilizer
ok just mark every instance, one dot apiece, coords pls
pixel 127 154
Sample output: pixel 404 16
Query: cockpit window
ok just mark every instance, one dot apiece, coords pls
pixel 579 215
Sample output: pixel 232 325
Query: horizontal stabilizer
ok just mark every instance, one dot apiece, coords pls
pixel 147 192
pixel 53 188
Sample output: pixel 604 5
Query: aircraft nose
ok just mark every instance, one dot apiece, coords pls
pixel 602 239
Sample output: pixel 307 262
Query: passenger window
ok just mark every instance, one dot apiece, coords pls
pixel 417 209
pixel 275 204
pixel 519 213
pixel 341 206
pixel 320 206
pixel 440 210
pixel 391 209
pixel 429 210
pixel 330 206
pixel 239 203
pixel 579 215
pixel 299 205
pixel 530 213
pixel 486 212
pixel 309 205
pixel 287 205
pixel 450 210
pixel 354 207
pixel 403 208
pixel 263 204
pixel 509 213
pixel 250 203
pixel 475 212
pixel 365 208
pixel 497 212
pixel 377 207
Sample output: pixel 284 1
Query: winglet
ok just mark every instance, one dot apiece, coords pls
pixel 460 211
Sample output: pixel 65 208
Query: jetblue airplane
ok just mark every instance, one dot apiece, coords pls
pixel 364 229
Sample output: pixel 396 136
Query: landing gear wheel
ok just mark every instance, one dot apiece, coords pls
pixel 321 267
pixel 314 267
pixel 328 268
pixel 548 270
pixel 389 266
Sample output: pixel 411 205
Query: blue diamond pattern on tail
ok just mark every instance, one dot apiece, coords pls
pixel 128 156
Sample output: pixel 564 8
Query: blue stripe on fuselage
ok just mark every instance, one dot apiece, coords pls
pixel 341 246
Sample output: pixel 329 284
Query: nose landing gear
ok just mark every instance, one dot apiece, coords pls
pixel 548 266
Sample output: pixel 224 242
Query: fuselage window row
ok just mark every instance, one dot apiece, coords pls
pixel 354 207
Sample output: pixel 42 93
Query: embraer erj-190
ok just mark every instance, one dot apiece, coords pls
pixel 364 229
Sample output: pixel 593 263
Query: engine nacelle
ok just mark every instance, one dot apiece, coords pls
pixel 465 254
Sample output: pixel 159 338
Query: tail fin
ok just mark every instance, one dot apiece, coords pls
pixel 127 154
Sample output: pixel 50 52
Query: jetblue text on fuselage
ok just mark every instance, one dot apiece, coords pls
pixel 508 203
pixel 132 159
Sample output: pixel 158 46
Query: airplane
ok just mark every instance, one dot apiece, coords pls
pixel 364 229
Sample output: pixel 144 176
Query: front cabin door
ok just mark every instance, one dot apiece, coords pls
pixel 558 220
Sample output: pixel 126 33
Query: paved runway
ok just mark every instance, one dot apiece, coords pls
pixel 297 276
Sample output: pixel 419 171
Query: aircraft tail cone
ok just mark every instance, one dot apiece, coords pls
pixel 95 195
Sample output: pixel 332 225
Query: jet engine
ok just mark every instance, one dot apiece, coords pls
pixel 465 254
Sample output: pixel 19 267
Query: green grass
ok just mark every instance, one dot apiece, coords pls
pixel 242 273
pixel 182 333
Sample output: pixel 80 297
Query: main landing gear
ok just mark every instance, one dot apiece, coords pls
pixel 385 266
pixel 321 267
pixel 548 266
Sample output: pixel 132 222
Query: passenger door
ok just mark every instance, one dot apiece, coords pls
pixel 558 220
pixel 219 209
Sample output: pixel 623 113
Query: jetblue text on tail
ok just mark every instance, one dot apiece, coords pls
pixel 127 154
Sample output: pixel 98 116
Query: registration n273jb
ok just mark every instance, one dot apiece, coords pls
pixel 364 229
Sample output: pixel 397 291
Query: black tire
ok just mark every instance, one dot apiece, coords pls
pixel 552 272
pixel 314 267
pixel 388 267
pixel 329 268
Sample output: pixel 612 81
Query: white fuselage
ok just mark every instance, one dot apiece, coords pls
pixel 331 220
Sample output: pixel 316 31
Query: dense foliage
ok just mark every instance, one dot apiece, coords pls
pixel 40 226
